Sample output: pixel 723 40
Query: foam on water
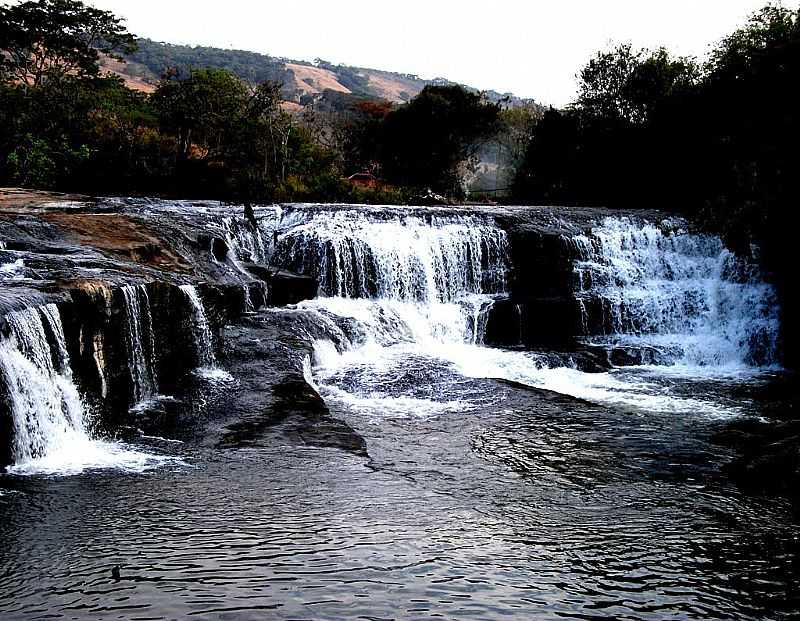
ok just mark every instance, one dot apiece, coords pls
pixel 394 406
pixel 387 321
pixel 50 420
pixel 682 293
pixel 406 287
pixel 82 454
pixel 12 271
pixel 636 388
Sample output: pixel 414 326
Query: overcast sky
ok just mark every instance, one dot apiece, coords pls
pixel 532 48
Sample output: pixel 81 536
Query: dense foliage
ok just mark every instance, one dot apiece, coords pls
pixel 717 141
pixel 427 142
pixel 152 60
pixel 51 39
pixel 216 125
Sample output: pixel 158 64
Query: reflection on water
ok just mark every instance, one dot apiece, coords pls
pixel 599 497
pixel 517 505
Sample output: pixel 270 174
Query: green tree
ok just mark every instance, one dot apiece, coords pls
pixel 272 129
pixel 628 84
pixel 615 143
pixel 41 38
pixel 426 143
pixel 205 110
pixel 38 163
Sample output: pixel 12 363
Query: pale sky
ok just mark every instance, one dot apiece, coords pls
pixel 531 48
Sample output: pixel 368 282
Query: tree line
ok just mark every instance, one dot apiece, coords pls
pixel 716 140
pixel 205 132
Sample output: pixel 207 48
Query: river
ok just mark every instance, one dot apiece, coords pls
pixel 497 482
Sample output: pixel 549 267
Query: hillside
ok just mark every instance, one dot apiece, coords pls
pixel 301 80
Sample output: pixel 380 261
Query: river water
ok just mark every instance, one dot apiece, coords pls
pixel 481 496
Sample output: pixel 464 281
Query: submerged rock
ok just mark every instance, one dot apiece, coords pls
pixel 767 450
pixel 769 455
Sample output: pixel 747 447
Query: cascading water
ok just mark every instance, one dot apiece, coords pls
pixel 408 293
pixel 400 277
pixel 50 422
pixel 684 294
pixel 140 342
pixel 397 289
pixel 46 409
pixel 438 258
pixel 203 338
pixel 249 241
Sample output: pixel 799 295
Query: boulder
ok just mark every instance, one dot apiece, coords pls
pixel 533 322
pixel 285 287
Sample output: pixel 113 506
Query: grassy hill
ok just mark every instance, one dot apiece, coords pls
pixel 301 80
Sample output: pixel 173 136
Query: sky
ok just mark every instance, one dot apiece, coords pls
pixel 531 48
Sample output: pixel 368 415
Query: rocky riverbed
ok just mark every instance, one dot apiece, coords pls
pixel 339 411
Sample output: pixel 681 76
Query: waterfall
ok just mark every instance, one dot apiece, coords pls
pixel 12 271
pixel 46 409
pixel 203 338
pixel 404 257
pixel 140 342
pixel 405 295
pixel 399 277
pixel 252 242
pixel 50 421
pixel 248 242
pixel 683 293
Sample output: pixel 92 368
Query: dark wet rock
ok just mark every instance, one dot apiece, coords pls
pixel 548 395
pixel 258 294
pixel 285 287
pixel 542 281
pixel 769 459
pixel 219 248
pixel 617 355
pixel 533 322
pixel 272 396
pixel 768 449
pixel 79 254
pixel 545 435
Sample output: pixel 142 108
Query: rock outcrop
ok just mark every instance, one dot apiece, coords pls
pixel 83 255
pixel 138 283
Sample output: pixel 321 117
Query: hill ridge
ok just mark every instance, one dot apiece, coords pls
pixel 302 80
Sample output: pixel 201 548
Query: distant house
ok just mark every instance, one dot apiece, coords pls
pixel 364 179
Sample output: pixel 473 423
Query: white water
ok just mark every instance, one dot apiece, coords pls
pixel 50 421
pixel 252 242
pixel 201 330
pixel 140 343
pixel 400 257
pixel 679 292
pixel 249 243
pixel 407 292
pixel 12 271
